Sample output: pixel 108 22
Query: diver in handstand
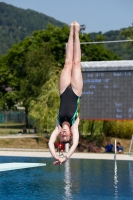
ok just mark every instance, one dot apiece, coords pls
pixel 70 89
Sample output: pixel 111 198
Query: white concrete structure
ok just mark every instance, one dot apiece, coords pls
pixel 107 65
pixel 47 154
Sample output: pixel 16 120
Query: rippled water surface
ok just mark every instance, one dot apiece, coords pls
pixel 77 180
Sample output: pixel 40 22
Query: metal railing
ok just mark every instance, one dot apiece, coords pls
pixel 129 152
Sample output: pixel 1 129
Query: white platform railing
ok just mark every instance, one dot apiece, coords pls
pixel 129 152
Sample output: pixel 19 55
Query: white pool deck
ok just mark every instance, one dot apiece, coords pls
pixel 46 154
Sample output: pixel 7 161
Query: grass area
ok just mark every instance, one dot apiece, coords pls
pixel 28 143
pixel 11 125
pixel 11 128
pixel 6 131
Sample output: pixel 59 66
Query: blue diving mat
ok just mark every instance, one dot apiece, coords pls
pixel 15 165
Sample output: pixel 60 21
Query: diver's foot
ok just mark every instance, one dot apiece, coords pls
pixel 72 29
pixel 76 27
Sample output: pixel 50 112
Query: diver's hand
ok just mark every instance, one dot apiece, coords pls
pixel 56 162
pixel 60 161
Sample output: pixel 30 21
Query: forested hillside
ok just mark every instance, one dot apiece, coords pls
pixel 117 48
pixel 17 23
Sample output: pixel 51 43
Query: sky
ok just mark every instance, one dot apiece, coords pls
pixel 97 15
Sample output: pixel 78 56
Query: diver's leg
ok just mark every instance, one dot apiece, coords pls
pixel 76 80
pixel 65 78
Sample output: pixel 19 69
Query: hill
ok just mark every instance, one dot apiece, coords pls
pixel 117 48
pixel 17 23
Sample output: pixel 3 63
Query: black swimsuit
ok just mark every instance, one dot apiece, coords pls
pixel 68 110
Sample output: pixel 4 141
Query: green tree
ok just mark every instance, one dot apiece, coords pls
pixel 6 79
pixel 30 62
pixel 39 64
pixel 128 33
pixel 120 129
pixel 96 52
pixel 43 110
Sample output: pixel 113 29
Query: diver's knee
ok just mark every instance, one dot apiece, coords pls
pixel 76 63
pixel 68 61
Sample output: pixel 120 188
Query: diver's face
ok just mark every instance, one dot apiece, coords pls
pixel 65 134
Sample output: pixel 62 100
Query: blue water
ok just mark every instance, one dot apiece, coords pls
pixel 76 180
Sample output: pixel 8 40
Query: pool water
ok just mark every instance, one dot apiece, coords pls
pixel 78 179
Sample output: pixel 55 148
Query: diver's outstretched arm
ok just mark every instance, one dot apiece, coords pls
pixel 75 138
pixel 52 140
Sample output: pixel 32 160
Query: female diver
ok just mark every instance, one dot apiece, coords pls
pixel 70 89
